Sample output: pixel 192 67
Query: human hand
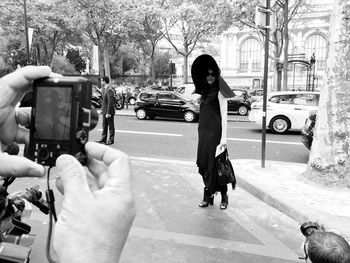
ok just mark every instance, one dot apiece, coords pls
pixel 108 116
pixel 98 206
pixel 12 88
pixel 222 146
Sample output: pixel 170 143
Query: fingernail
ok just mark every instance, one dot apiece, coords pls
pixel 63 161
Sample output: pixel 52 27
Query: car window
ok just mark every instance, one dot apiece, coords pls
pixel 147 96
pixel 282 99
pixel 306 99
pixel 165 96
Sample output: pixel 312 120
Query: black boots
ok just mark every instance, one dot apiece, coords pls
pixel 224 201
pixel 208 199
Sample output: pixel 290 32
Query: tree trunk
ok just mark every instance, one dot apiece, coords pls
pixel 285 47
pixel 185 69
pixel 106 62
pixel 329 161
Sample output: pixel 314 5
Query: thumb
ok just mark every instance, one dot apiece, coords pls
pixel 73 176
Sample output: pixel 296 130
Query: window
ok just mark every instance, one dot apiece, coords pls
pixel 165 96
pixel 306 99
pixel 250 52
pixel 147 96
pixel 316 44
pixel 282 99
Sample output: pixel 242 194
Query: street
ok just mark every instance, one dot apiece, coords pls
pixel 174 139
pixel 169 226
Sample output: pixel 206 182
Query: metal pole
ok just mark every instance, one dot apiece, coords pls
pixel 266 65
pixel 171 75
pixel 26 32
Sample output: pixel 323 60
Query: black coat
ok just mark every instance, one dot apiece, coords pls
pixel 108 101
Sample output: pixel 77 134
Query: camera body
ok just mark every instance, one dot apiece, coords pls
pixel 61 119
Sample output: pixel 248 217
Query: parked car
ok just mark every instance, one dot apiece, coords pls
pixel 307 132
pixel 240 103
pixel 255 94
pixel 168 104
pixel 285 110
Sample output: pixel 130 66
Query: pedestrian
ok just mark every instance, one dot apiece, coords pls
pixel 108 112
pixel 326 247
pixel 212 125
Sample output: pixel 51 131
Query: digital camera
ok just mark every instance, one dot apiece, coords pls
pixel 61 119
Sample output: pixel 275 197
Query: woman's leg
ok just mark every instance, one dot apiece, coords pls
pixel 224 197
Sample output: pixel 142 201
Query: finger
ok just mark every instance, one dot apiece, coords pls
pixel 19 166
pixel 98 170
pixel 119 177
pixel 102 152
pixel 73 176
pixel 90 178
pixel 59 184
pixel 117 162
pixel 23 115
pixel 24 76
pixel 22 136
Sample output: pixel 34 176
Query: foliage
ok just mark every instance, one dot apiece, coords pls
pixel 75 59
pixel 194 23
pixel 162 65
pixel 62 66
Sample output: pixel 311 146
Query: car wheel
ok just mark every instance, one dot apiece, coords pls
pixel 141 114
pixel 132 101
pixel 242 110
pixel 280 125
pixel 189 116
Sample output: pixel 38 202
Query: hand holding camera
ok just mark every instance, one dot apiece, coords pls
pixel 97 196
pixel 98 207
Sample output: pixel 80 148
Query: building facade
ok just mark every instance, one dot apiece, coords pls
pixel 242 53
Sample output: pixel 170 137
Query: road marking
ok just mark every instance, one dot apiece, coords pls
pixel 148 133
pixel 259 141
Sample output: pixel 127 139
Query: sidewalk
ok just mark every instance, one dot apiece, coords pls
pixel 281 185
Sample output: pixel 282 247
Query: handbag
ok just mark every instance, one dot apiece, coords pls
pixel 224 169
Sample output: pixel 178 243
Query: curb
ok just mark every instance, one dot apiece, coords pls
pixel 268 199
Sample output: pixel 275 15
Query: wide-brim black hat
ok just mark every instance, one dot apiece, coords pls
pixel 199 70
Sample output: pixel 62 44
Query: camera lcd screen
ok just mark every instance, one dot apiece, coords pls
pixel 53 113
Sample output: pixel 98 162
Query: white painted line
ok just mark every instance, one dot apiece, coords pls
pixel 148 133
pixel 259 141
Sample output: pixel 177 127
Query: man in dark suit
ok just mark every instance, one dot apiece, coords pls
pixel 108 112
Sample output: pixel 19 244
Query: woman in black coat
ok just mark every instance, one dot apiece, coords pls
pixel 212 125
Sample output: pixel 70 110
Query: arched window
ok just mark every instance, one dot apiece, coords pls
pixel 316 44
pixel 250 53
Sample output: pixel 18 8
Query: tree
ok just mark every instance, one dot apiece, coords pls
pixel 161 65
pixel 192 20
pixel 46 18
pixel 329 160
pixel 151 15
pixel 75 59
pixel 285 11
pixel 104 22
pixel 62 66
